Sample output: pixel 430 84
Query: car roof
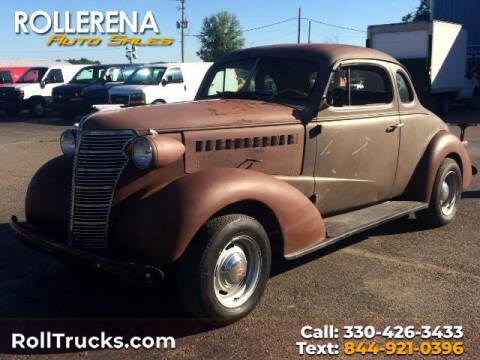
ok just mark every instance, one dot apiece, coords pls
pixel 321 53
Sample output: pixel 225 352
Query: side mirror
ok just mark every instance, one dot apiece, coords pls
pixel 42 84
pixel 164 82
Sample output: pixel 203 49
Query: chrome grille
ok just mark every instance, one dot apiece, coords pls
pixel 99 161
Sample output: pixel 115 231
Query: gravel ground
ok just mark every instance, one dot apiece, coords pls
pixel 401 273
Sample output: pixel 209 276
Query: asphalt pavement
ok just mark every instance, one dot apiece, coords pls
pixel 402 273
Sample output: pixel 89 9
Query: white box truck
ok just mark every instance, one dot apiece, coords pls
pixel 435 54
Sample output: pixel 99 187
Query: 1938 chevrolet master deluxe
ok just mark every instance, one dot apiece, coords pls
pixel 314 143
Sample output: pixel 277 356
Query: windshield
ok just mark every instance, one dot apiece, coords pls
pixel 146 76
pixel 271 78
pixel 34 75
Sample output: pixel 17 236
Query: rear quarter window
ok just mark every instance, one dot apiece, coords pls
pixel 405 91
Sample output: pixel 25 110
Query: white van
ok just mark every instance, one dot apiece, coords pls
pixel 33 91
pixel 160 83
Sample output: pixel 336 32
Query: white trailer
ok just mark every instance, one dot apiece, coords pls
pixel 435 53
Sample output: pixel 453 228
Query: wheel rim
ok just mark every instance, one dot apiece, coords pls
pixel 237 271
pixel 449 193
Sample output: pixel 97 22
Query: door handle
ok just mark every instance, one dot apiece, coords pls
pixel 395 126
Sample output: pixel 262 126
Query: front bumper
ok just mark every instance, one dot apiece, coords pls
pixel 126 270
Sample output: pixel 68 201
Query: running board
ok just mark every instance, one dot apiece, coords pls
pixel 345 225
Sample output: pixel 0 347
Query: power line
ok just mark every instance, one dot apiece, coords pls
pixel 262 26
pixel 333 25
pixel 270 25
pixel 296 19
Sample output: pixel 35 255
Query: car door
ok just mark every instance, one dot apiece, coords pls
pixel 52 79
pixel 416 131
pixel 175 88
pixel 358 137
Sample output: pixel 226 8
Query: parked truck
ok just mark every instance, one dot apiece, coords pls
pixel 435 54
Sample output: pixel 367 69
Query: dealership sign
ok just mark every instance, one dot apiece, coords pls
pixel 82 23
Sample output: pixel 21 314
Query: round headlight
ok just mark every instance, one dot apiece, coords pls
pixel 142 153
pixel 67 143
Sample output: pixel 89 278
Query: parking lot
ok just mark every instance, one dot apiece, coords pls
pixel 401 273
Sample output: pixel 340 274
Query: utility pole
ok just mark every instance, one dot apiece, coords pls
pixel 182 25
pixel 309 31
pixel 299 24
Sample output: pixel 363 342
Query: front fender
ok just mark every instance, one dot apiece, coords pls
pixel 158 227
pixel 442 145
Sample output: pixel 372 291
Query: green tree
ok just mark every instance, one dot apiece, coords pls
pixel 421 14
pixel 221 34
pixel 83 61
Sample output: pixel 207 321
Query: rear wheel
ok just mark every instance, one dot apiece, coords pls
pixel 446 194
pixel 223 273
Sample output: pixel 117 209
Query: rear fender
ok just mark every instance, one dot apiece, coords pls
pixel 158 227
pixel 442 145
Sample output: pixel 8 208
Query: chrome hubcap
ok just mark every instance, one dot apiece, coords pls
pixel 449 193
pixel 237 271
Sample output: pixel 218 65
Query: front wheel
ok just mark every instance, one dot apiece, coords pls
pixel 223 273
pixel 446 194
pixel 37 107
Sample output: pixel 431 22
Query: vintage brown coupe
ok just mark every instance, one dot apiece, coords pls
pixel 286 147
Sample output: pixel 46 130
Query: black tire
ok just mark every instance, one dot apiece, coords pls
pixel 37 107
pixel 158 102
pixel 196 274
pixel 438 213
pixel 475 101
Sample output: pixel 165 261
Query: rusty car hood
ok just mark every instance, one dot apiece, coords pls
pixel 194 115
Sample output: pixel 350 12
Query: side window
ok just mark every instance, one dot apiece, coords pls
pixel 404 89
pixel 174 75
pixel 113 75
pixel 5 77
pixel 360 85
pixel 126 72
pixel 54 76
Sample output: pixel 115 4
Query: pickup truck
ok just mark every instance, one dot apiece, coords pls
pixel 89 87
pixel 33 91
pixel 277 156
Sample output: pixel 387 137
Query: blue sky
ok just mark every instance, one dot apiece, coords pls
pixel 251 13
